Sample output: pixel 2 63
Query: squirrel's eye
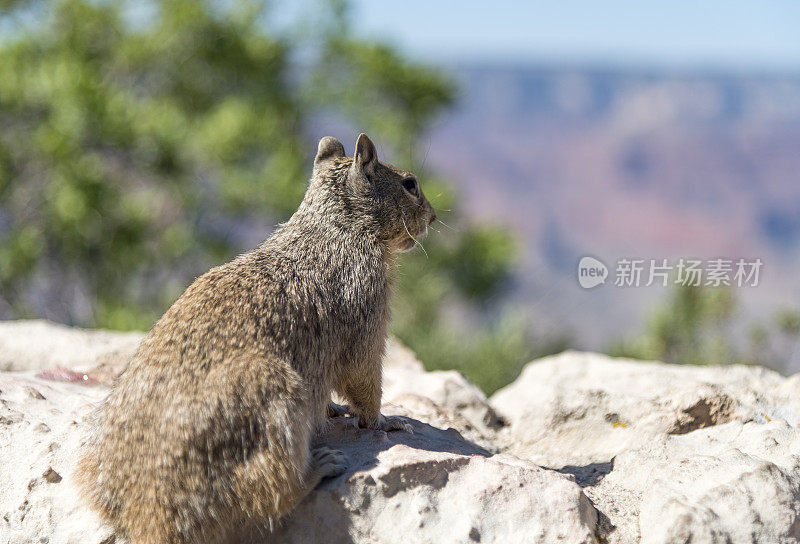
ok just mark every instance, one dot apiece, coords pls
pixel 410 185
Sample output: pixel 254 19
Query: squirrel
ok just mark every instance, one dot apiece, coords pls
pixel 210 427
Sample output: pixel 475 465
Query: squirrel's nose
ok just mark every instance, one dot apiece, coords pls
pixel 432 219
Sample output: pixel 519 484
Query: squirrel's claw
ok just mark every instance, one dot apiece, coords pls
pixel 390 423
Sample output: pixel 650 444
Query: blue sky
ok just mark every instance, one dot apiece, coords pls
pixel 728 34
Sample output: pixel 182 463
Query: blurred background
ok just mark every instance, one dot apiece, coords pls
pixel 142 143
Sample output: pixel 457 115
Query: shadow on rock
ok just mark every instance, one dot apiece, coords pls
pixel 588 475
pixel 420 460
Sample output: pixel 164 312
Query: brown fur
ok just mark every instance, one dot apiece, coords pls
pixel 209 428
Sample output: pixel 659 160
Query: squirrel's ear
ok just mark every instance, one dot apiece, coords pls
pixel 365 156
pixel 328 148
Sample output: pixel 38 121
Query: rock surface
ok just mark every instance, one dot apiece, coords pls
pixel 736 483
pixel 580 448
pixel 39 435
pixel 432 486
pixel 666 453
pixel 466 407
pixel 39 344
pixel 429 486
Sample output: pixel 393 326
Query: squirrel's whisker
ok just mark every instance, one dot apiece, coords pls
pixel 415 240
pixel 425 160
pixel 446 225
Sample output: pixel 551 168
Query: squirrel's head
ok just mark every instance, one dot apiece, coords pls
pixel 390 199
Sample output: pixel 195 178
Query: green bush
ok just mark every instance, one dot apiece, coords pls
pixel 145 142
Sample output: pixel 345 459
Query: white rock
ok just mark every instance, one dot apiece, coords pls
pixel 667 453
pixel 734 483
pixel 472 414
pixel 39 344
pixel 579 408
pixel 429 486
pixel 39 435
pixel 400 357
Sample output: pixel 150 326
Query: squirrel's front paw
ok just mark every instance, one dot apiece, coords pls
pixel 396 423
pixel 337 410
pixel 388 423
